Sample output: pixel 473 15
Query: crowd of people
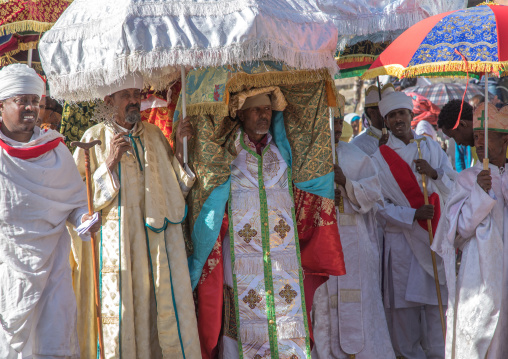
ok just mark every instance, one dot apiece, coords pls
pixel 385 294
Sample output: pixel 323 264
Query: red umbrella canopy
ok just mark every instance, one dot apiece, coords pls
pixel 429 47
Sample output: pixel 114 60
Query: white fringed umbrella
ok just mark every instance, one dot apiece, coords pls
pixel 96 43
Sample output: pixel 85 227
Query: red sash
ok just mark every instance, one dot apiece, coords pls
pixel 408 184
pixel 27 153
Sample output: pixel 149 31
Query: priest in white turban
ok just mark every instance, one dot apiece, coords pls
pixel 140 186
pixel 41 190
pixel 409 282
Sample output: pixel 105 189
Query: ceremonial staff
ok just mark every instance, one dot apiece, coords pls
pixel 86 147
pixel 431 239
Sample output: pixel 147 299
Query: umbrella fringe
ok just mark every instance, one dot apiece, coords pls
pixel 456 66
pixel 157 69
pixel 368 24
pixel 22 26
pixel 438 68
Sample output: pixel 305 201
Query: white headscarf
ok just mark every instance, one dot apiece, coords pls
pixel 131 81
pixel 395 101
pixel 19 79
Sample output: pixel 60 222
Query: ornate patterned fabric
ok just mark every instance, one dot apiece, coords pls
pixel 305 119
pixel 30 15
pixel 265 254
pixel 435 46
pixel 76 119
pixel 162 117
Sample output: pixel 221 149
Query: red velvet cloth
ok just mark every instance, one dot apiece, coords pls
pixel 26 153
pixel 210 297
pixel 408 184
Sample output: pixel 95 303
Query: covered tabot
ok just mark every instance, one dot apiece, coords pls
pixel 428 48
pixel 96 42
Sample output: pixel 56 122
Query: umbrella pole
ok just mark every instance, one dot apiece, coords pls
pixel 384 130
pixel 29 58
pixel 486 124
pixel 332 132
pixel 184 112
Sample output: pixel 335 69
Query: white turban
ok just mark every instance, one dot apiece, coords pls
pixel 395 101
pixel 19 79
pixel 131 81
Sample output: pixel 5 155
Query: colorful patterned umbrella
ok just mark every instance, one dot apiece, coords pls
pixel 441 93
pixel 30 15
pixel 451 43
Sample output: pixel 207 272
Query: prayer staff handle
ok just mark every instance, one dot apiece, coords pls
pixel 86 146
pixel 431 239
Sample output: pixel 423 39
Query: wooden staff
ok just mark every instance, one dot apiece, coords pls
pixel 431 239
pixel 86 148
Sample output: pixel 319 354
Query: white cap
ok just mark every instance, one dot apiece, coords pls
pixel 395 101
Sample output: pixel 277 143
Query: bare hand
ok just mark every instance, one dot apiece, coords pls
pixel 484 180
pixel 424 212
pixel 423 168
pixel 96 226
pixel 338 197
pixel 184 129
pixel 340 179
pixel 119 145
pixel 384 138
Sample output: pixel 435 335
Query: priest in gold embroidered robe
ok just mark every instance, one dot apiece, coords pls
pixel 265 314
pixel 139 186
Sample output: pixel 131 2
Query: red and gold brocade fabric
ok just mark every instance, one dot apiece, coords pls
pixel 30 15
pixel 162 117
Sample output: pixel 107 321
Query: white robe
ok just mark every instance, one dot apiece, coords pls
pixel 368 141
pixel 348 315
pixel 38 197
pixel 477 307
pixel 407 253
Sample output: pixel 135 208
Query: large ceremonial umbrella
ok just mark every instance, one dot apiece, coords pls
pixel 441 93
pixel 453 43
pixel 96 43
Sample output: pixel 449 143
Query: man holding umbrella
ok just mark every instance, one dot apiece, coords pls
pixel 41 190
pixel 409 281
pixel 139 185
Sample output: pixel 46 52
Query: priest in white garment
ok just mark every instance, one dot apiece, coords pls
pixel 476 223
pixel 368 141
pixel 348 314
pixel 408 272
pixel 40 191
pixel 139 185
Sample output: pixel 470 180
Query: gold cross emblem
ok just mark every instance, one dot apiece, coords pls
pixel 247 233
pixel 288 294
pixel 252 299
pixel 282 229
